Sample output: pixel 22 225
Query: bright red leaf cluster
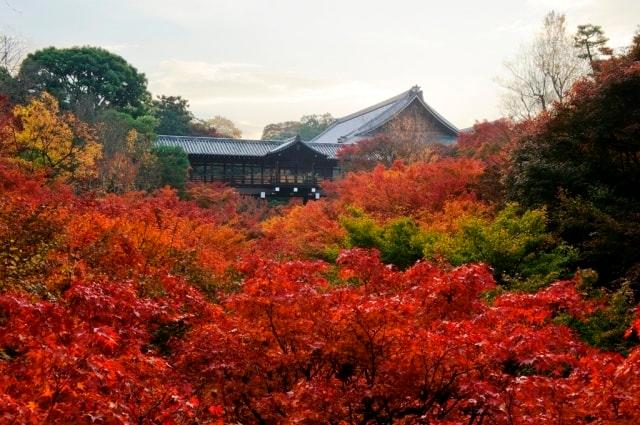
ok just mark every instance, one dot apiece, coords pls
pixel 401 190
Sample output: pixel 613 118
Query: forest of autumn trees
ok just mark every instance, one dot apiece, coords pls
pixel 495 282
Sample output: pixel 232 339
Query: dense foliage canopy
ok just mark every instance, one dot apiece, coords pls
pixel 494 283
pixel 128 309
pixel 85 77
pixel 582 160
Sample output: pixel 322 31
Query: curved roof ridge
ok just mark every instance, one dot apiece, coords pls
pixel 440 118
pixel 285 144
pixel 383 118
pixel 386 116
pixel 415 90
pixel 377 105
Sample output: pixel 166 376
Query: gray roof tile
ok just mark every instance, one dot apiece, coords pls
pixel 353 127
pixel 239 147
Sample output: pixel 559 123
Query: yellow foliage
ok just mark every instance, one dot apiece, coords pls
pixel 56 140
pixel 453 213
pixel 132 139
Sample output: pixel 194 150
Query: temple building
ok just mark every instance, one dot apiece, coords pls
pixel 285 168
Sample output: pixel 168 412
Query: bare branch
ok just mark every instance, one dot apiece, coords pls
pixel 12 51
pixel 10 6
pixel 543 71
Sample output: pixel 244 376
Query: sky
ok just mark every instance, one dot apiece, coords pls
pixel 263 61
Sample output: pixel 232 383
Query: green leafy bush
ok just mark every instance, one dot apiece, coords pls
pixel 362 230
pixel 400 241
pixel 518 247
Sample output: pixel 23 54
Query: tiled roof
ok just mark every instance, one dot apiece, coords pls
pixel 344 127
pixel 346 130
pixel 219 146
pixel 352 128
pixel 239 147
pixel 330 150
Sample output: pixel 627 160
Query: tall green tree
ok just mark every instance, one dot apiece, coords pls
pixel 592 43
pixel 399 241
pixel 86 79
pixel 6 81
pixel 173 115
pixel 517 245
pixel 12 87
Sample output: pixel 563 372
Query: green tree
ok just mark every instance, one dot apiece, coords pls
pixel 127 163
pixel 173 166
pixel 308 127
pixel 6 81
pixel 114 126
pixel 592 43
pixel 281 130
pixel 402 242
pixel 362 230
pixel 173 115
pixel 85 79
pixel 12 87
pixel 312 125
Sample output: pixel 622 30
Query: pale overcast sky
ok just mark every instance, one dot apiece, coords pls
pixel 264 61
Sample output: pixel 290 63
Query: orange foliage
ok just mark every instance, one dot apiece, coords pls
pixel 146 235
pixel 453 212
pixel 406 190
pixel 303 231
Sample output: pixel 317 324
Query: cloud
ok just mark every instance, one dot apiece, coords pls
pixel 255 93
pixel 119 47
pixel 205 83
pixel 560 5
pixel 194 12
pixel 520 27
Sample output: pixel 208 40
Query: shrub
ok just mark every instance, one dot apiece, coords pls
pixel 173 165
pixel 521 251
pixel 400 241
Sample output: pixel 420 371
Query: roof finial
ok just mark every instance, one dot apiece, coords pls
pixel 417 91
pixel 298 139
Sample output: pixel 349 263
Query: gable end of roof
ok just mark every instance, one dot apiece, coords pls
pixel 347 129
